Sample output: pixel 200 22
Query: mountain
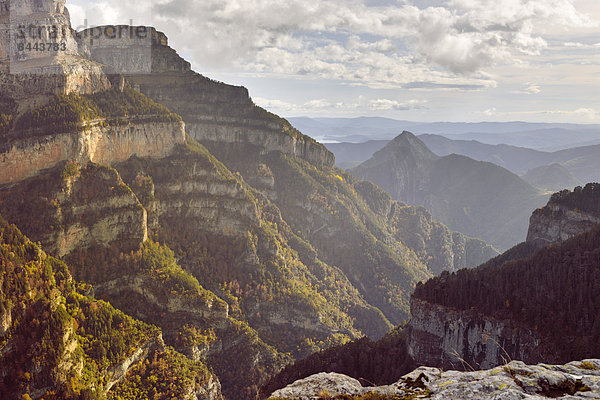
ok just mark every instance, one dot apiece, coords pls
pixel 58 342
pixel 540 136
pixel 348 223
pixel 477 198
pixel 548 314
pixel 191 209
pixel 553 177
pixel 582 161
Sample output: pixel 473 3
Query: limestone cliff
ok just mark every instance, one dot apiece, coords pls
pixel 451 339
pixel 60 68
pixel 21 158
pixel 558 222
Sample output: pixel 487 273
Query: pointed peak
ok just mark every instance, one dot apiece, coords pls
pixel 408 140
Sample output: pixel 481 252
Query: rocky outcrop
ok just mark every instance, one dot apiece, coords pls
pixel 25 71
pixel 439 247
pixel 557 223
pixel 466 339
pixel 191 307
pixel 23 158
pixel 515 380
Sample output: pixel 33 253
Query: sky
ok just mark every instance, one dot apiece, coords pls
pixel 419 60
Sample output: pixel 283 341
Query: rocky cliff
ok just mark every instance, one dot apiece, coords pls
pixel 252 141
pixel 58 68
pixel 515 380
pixel 481 318
pixel 453 339
pixel 563 217
pixel 22 158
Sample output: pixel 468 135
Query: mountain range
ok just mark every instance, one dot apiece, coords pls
pixel 575 165
pixel 478 198
pixel 539 136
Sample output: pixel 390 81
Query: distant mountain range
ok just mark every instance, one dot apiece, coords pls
pixel 581 164
pixel 477 198
pixel 539 136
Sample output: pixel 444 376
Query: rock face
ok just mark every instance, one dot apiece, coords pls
pixel 77 207
pixel 515 380
pixel 452 339
pixel 557 223
pixel 24 158
pixel 62 69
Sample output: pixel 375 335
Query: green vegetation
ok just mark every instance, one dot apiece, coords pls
pixel 5 123
pixel 58 339
pixel 588 365
pixel 160 262
pixel 65 113
pixel 166 375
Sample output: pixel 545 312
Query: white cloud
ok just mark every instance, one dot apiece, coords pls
pixel 347 39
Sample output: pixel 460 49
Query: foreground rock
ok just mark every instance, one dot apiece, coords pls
pixel 516 380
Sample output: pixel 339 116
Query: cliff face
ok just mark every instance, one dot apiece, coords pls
pixel 24 158
pixel 557 223
pixel 76 207
pixel 61 69
pixel 451 339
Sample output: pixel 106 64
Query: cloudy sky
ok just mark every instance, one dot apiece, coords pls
pixel 422 60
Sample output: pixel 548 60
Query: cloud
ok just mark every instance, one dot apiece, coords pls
pixel 386 104
pixel 530 88
pixel 461 36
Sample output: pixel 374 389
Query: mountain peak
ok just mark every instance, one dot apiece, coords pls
pixel 407 143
